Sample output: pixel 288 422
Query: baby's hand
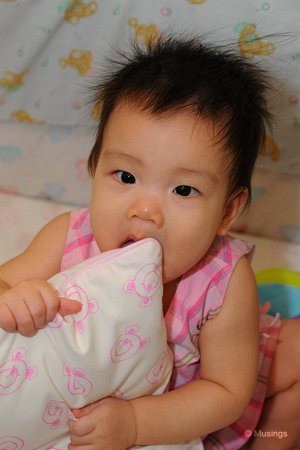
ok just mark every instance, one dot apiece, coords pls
pixel 106 424
pixel 30 305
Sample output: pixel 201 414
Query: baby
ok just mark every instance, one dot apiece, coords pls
pixel 181 126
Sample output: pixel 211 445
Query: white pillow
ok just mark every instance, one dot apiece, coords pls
pixel 116 345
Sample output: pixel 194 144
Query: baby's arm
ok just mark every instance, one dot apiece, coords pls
pixel 27 301
pixel 229 366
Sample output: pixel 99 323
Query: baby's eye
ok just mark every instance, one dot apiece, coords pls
pixel 124 177
pixel 186 191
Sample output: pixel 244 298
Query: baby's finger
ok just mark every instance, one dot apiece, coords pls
pixel 51 301
pixel 68 306
pixel 24 320
pixel 80 430
pixel 82 447
pixel 37 310
pixel 7 320
pixel 81 412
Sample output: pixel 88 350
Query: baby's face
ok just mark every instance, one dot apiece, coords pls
pixel 159 177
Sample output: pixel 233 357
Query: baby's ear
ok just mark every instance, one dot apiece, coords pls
pixel 232 210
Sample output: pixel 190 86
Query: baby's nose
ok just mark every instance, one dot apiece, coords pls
pixel 147 208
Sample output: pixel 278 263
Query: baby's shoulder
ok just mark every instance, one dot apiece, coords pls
pixel 56 228
pixel 229 249
pixel 52 237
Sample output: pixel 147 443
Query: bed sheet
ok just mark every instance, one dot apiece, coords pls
pixel 21 218
pixel 275 263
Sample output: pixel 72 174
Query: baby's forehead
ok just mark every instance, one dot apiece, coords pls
pixel 137 127
pixel 133 117
pixel 217 122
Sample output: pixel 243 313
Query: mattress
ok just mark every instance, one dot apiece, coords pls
pixel 276 263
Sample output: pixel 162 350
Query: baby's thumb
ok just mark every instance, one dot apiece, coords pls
pixel 68 306
pixel 81 412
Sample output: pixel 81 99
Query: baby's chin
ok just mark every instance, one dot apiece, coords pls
pixel 169 280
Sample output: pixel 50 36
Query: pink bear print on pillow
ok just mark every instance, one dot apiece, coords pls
pixel 128 344
pixel 145 283
pixel 56 414
pixel 78 383
pixel 14 372
pixel 89 306
pixel 11 443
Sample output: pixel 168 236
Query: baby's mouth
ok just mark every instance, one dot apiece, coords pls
pixel 128 242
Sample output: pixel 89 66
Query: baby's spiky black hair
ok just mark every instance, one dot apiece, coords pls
pixel 186 73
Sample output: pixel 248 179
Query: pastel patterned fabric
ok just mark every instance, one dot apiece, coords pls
pixel 116 345
pixel 57 48
pixel 51 51
pixel 198 298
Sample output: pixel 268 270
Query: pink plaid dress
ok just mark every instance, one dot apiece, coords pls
pixel 198 298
